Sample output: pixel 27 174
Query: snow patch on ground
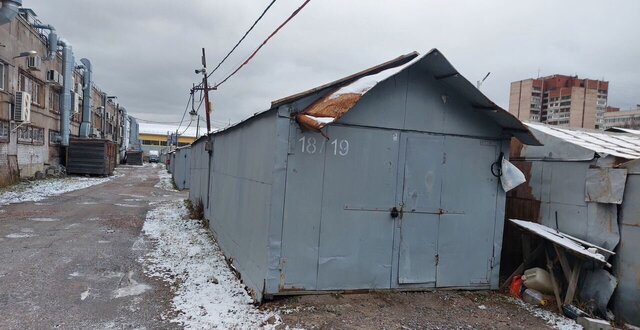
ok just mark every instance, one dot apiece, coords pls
pixel 207 294
pixel 125 205
pixel 44 219
pixel 19 235
pixel 557 321
pixel 84 295
pixel 133 289
pixel 166 182
pixel 34 191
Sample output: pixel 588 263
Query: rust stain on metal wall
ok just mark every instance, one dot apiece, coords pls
pixel 516 148
pixel 521 203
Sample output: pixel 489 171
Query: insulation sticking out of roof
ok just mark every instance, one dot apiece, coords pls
pixel 334 105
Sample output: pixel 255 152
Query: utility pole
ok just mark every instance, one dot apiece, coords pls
pixel 205 87
pixel 198 127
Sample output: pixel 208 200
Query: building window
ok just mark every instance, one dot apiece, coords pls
pixel 25 134
pixel 38 136
pixel 30 135
pixel 54 138
pixel 4 131
pixel 33 87
pixel 54 100
pixel 2 70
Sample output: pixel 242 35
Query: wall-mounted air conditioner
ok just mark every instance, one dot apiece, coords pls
pixel 22 107
pixel 34 62
pixel 54 77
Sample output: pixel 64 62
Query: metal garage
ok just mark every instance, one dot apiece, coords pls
pixel 380 180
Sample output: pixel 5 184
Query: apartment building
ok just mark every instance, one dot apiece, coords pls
pixel 46 98
pixel 560 100
pixel 624 119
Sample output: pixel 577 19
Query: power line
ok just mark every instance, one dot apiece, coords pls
pixel 190 121
pixel 157 122
pixel 185 110
pixel 263 43
pixel 241 39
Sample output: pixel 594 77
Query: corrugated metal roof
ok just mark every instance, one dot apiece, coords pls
pixel 349 91
pixel 348 79
pixel 622 145
pixel 623 130
pixel 362 81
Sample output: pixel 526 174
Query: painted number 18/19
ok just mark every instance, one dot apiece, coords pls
pixel 311 146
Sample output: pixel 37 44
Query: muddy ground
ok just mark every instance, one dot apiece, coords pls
pixel 406 310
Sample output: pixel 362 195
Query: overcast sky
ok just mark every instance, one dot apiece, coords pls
pixel 145 51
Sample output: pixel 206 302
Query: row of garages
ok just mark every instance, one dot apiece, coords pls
pixel 390 179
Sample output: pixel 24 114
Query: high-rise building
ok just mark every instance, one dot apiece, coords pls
pixel 560 100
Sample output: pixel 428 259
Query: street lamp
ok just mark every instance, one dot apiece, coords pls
pixel 30 53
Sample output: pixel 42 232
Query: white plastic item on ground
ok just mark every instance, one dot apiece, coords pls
pixel 534 297
pixel 538 279
pixel 511 176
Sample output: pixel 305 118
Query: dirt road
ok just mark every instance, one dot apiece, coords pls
pixel 406 310
pixel 71 261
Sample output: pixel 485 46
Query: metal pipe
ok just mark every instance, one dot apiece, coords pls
pixel 52 40
pixel 67 86
pixel 85 126
pixel 9 10
pixel 104 115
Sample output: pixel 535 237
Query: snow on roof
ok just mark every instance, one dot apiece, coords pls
pixel 161 129
pixel 624 130
pixel 621 145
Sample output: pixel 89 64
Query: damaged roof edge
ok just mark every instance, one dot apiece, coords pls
pixel 347 93
pixel 349 79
